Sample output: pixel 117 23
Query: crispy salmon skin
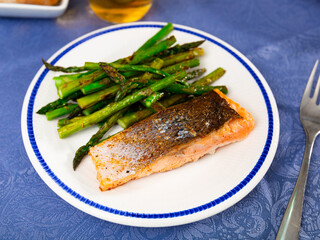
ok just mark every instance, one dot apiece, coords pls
pixel 170 138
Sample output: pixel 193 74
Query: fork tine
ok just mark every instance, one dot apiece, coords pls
pixel 307 91
pixel 316 91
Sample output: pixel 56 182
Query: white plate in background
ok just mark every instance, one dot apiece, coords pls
pixel 32 10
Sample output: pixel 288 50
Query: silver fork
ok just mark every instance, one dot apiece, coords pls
pixel 310 120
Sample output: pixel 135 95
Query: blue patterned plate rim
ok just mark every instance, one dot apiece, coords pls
pixel 203 207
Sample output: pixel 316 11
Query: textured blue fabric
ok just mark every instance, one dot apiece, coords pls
pixel 282 38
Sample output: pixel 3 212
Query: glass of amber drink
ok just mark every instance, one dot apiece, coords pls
pixel 120 11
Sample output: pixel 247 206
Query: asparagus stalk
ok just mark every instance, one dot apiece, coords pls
pixel 191 89
pixel 75 112
pixel 152 99
pixel 127 70
pixel 136 82
pixel 96 86
pixel 182 66
pixel 140 68
pixel 133 68
pixel 170 51
pixel 68 88
pixel 58 103
pixel 129 85
pixel 194 90
pixel 60 111
pixel 112 73
pixel 164 31
pixel 96 107
pixel 72 86
pixel 134 117
pixel 173 99
pixel 63 69
pixel 90 100
pixel 194 74
pixel 83 150
pixel 210 78
pixel 157 64
pixel 179 48
pixel 91 65
pixel 180 57
pixel 66 121
pixel 53 105
pixel 128 120
pixel 63 80
pixel 70 77
pixel 170 60
pixel 128 88
pixel 117 106
pixel 142 55
pixel 200 86
pixel 124 67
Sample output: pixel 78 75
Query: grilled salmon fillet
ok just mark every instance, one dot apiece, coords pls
pixel 170 138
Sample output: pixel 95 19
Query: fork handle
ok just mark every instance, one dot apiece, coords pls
pixel 290 225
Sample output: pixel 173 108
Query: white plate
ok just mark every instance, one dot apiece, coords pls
pixel 187 194
pixel 32 10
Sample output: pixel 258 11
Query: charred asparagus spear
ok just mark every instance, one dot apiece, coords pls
pixel 83 150
pixel 134 117
pixel 58 103
pixel 117 106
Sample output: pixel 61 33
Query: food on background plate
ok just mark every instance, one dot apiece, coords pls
pixel 37 2
pixel 184 116
pixel 170 139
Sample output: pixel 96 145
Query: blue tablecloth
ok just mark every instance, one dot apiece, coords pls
pixel 282 38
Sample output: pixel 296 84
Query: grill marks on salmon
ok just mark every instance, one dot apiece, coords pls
pixel 170 138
